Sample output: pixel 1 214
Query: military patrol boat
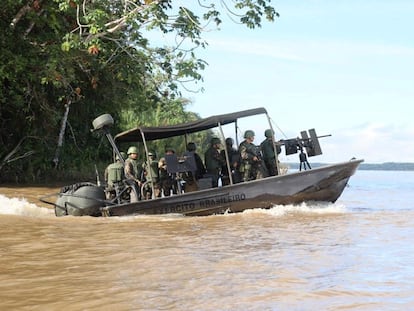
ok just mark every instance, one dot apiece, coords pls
pixel 324 184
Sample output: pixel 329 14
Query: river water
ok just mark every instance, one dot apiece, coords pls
pixel 356 254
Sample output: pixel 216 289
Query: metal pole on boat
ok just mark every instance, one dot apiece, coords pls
pixel 114 147
pixel 226 153
pixel 236 131
pixel 274 144
pixel 102 123
pixel 148 163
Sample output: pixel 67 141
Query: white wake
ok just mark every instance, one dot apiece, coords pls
pixel 303 208
pixel 20 206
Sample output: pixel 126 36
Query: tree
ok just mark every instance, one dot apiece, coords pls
pixel 82 58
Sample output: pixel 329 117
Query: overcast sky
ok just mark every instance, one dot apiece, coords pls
pixel 345 68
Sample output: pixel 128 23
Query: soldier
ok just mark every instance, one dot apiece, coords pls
pixel 234 159
pixel 133 172
pixel 151 177
pixel 268 152
pixel 114 175
pixel 251 163
pixel 166 180
pixel 201 169
pixel 213 160
pixel 191 177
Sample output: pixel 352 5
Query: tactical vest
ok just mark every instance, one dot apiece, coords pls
pixel 152 172
pixel 115 173
pixel 134 164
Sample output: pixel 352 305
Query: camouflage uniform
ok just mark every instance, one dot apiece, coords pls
pixel 252 166
pixel 132 170
pixel 167 184
pixel 269 157
pixel 151 176
pixel 132 173
pixel 250 162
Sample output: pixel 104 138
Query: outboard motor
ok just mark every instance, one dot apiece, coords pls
pixel 80 199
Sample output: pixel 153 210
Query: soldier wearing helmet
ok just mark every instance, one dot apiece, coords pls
pixel 196 168
pixel 133 171
pixel 201 169
pixel 268 150
pixel 234 160
pixel 150 177
pixel 251 162
pixel 166 179
pixel 249 134
pixel 213 160
pixel 114 174
pixel 132 150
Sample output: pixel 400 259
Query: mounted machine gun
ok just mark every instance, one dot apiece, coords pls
pixel 308 142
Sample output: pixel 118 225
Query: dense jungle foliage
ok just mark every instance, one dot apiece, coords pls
pixel 65 62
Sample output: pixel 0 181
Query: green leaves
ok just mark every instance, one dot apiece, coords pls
pixel 109 56
pixel 65 46
pixel 254 11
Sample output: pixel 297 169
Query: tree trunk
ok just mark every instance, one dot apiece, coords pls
pixel 61 134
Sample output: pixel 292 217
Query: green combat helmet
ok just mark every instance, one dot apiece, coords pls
pixel 249 134
pixel 123 155
pixel 132 149
pixel 268 133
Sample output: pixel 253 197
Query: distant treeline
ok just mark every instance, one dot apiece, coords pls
pixel 387 166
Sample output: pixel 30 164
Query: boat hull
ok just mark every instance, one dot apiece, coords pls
pixel 323 184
